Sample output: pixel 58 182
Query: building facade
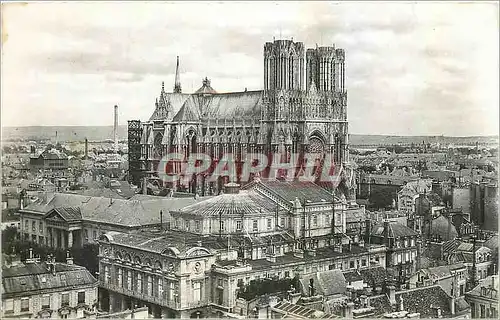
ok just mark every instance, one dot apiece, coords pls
pixel 483 299
pixel 48 290
pixel 63 220
pixel 213 248
pixel 402 243
pixel 302 109
pixel 49 160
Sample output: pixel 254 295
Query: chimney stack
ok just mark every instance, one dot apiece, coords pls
pixel 86 148
pixel 368 226
pixel 69 259
pixel 115 129
pixel 161 220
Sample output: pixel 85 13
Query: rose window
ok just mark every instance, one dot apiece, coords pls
pixel 315 145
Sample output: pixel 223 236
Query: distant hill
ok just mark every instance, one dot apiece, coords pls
pixel 358 139
pixel 101 133
pixel 64 133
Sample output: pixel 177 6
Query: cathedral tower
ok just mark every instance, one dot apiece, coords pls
pixel 283 65
pixel 325 68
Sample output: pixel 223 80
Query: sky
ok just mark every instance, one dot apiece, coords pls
pixel 411 69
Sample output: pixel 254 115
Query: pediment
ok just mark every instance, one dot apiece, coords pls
pixel 54 215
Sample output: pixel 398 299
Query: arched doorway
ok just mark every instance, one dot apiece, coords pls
pixel 197 315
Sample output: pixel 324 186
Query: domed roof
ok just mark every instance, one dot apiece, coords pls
pixel 443 228
pixel 243 203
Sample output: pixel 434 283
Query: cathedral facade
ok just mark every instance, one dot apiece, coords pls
pixel 302 109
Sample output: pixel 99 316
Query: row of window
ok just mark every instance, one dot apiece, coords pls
pixel 33 226
pixel 405 243
pixel 45 302
pixel 404 257
pixel 483 311
pixel 136 281
pixel 41 229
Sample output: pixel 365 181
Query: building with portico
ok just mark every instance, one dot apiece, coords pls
pixel 63 220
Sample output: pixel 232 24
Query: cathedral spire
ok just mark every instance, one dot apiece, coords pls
pixel 177 85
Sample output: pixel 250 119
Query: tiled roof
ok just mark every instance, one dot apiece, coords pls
pixel 98 192
pixel 374 276
pixel 37 276
pixel 465 246
pixel 54 154
pixel 326 283
pixel 113 211
pixel 451 246
pixel 381 304
pixel 490 283
pixel 492 242
pixel 302 190
pixel 221 106
pixel 395 230
pixel 353 276
pixel 420 300
pixel 461 304
pixel 160 241
pixel 301 312
pixel 69 213
pixel 423 300
pixel 244 202
pixel 175 101
pixel 444 271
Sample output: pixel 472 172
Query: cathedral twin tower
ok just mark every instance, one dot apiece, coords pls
pixel 284 67
pixel 302 109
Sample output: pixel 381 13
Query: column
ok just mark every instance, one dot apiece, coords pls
pixel 123 303
pixel 62 242
pixel 112 302
pixel 70 239
pixel 49 237
pixel 57 237
pixel 101 298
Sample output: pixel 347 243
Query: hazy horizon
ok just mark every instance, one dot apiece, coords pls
pixel 124 127
pixel 424 69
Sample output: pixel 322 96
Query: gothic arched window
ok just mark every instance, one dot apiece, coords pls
pixel 158 147
pixel 315 145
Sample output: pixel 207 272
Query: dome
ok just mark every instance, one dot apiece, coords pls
pixel 244 202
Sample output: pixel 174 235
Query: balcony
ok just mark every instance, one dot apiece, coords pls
pixel 162 301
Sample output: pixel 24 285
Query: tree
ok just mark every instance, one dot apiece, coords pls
pixel 265 286
pixel 9 236
pixel 381 198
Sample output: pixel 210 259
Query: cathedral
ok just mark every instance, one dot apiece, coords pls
pixel 302 109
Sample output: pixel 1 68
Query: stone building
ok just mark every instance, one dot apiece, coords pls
pixel 64 220
pixel 48 290
pixel 213 248
pixel 410 192
pixel 302 108
pixel 51 159
pixel 402 245
pixel 483 299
